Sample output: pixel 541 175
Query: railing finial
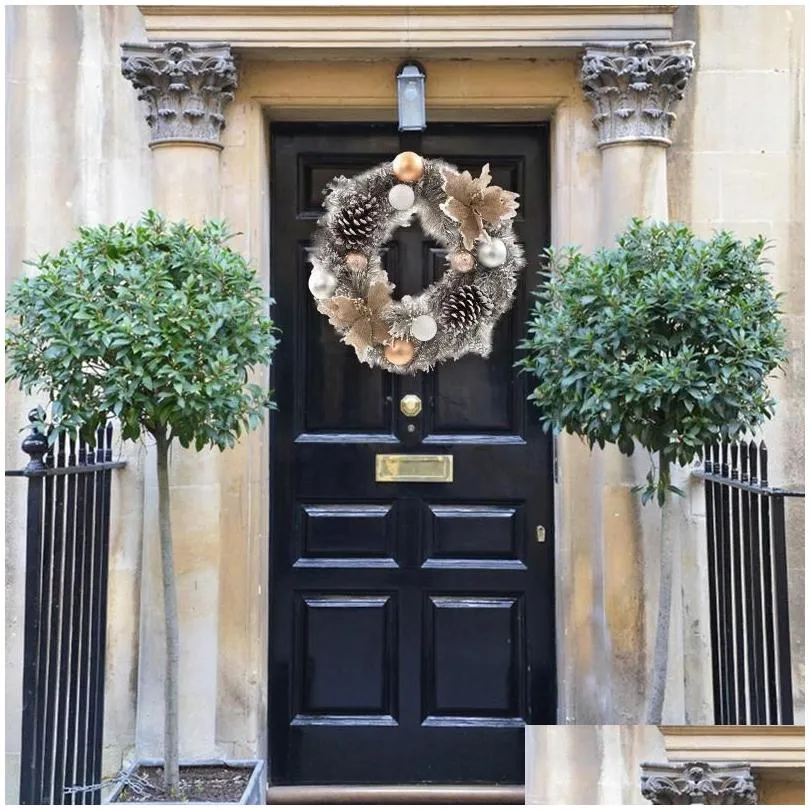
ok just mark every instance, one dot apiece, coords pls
pixel 35 444
pixel 752 461
pixel 763 464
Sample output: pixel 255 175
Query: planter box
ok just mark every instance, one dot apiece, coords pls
pixel 254 792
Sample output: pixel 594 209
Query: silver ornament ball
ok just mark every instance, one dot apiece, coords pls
pixel 423 328
pixel 493 253
pixel 322 283
pixel 401 197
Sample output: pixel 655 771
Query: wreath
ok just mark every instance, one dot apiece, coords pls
pixel 468 217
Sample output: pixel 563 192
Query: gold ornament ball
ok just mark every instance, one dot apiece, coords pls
pixel 356 262
pixel 399 353
pixel 408 167
pixel 461 261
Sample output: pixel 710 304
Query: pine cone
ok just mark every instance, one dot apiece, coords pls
pixel 356 222
pixel 464 307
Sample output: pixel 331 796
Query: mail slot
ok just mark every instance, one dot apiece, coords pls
pixel 392 467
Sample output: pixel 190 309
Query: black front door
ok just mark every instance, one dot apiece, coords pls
pixel 412 624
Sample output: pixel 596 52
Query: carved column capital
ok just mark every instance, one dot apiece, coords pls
pixel 634 88
pixel 186 87
pixel 698 783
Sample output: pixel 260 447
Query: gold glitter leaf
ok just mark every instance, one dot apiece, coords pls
pixel 344 311
pixel 379 331
pixel 458 186
pixel 497 204
pixel 360 335
pixel 470 227
pixel 379 297
pixel 484 180
pixel 471 202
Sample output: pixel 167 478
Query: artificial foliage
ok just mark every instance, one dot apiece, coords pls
pixel 158 324
pixel 664 340
pixel 468 217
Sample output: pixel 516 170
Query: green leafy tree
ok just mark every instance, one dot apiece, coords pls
pixel 158 324
pixel 665 341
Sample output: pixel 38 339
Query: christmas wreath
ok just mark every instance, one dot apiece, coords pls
pixel 468 217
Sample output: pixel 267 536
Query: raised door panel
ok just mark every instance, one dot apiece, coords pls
pixel 335 396
pixel 474 398
pixel 483 536
pixel 334 393
pixel 474 660
pixel 355 535
pixel 345 663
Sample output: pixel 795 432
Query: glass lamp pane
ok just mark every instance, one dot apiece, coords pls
pixel 411 97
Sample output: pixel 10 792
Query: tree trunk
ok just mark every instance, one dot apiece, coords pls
pixel 661 651
pixel 171 740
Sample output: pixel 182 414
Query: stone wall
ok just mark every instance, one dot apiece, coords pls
pixel 584 765
pixel 737 163
pixel 75 154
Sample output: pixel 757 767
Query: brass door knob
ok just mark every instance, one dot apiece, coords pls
pixel 410 405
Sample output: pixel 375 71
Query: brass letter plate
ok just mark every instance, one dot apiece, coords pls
pixel 392 467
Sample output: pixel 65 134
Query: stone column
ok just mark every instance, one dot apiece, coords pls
pixel 634 88
pixel 698 783
pixel 186 89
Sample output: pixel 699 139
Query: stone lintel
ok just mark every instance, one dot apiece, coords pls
pixel 635 87
pixel 698 783
pixel 186 87
pixel 394 29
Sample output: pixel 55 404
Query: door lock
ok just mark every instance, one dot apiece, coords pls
pixel 410 405
pixel 541 534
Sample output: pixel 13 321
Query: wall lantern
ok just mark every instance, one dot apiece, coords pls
pixel 411 96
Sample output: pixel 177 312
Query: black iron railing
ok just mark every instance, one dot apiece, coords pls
pixel 67 543
pixel 748 590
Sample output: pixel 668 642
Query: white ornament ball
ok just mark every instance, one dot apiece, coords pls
pixel 401 197
pixel 492 253
pixel 423 328
pixel 322 283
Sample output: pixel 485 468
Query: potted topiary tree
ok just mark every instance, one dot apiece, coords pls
pixel 664 341
pixel 157 324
